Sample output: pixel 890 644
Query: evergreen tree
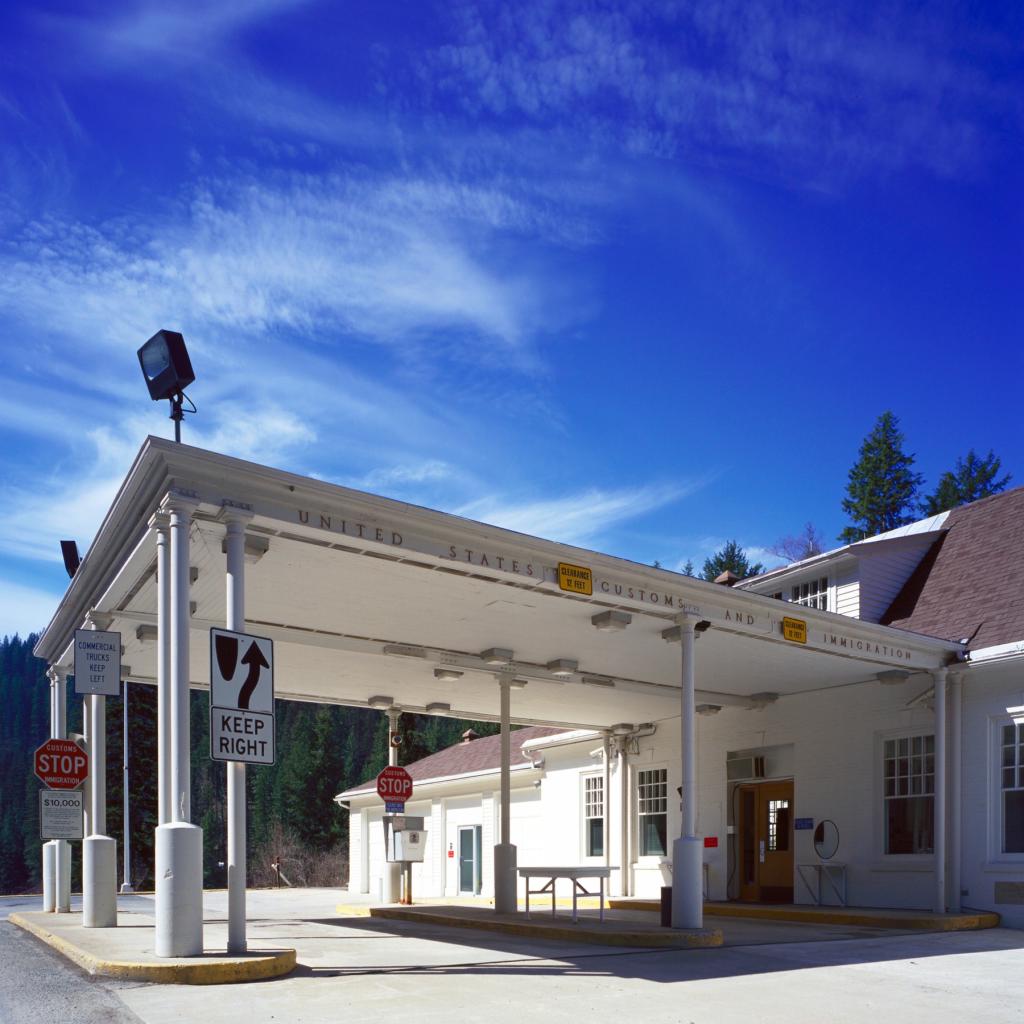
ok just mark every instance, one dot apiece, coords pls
pixel 883 486
pixel 972 479
pixel 688 569
pixel 731 558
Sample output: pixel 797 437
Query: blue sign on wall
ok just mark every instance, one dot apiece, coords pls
pixel 803 823
pixel 394 807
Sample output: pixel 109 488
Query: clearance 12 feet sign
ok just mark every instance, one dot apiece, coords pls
pixel 241 697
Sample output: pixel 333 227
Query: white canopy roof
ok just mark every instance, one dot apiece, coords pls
pixel 365 596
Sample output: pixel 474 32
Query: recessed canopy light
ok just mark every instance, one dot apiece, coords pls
pixel 563 667
pixel 518 684
pixel 448 675
pixel 598 681
pixel 708 709
pixel 438 707
pixel 893 676
pixel 146 632
pixel 1017 714
pixel 496 656
pixel 381 703
pixel 609 622
pixel 405 650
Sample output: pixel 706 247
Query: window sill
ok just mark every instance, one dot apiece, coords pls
pixel 1003 867
pixel 910 864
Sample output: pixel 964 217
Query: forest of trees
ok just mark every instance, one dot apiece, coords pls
pixel 321 750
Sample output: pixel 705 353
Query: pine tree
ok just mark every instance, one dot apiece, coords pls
pixel 883 486
pixel 688 569
pixel 731 558
pixel 972 479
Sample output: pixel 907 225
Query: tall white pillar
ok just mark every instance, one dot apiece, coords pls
pixel 49 849
pixel 606 797
pixel 956 725
pixel 504 850
pixel 159 523
pixel 234 545
pixel 99 851
pixel 179 844
pixel 625 872
pixel 940 791
pixel 126 885
pixel 688 850
pixel 63 847
pixel 391 881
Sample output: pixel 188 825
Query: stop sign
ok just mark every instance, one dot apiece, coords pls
pixel 394 784
pixel 62 764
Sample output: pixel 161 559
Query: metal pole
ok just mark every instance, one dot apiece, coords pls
pixel 392 880
pixel 505 881
pixel 63 847
pixel 126 885
pixel 687 851
pixel 939 840
pixel 235 618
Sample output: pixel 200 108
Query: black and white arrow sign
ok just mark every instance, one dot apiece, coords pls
pixel 241 697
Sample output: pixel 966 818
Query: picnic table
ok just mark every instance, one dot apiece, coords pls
pixel 573 873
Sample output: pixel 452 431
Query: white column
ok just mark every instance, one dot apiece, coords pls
pixel 391 879
pixel 126 844
pixel 940 791
pixel 688 850
pixel 955 794
pixel 179 844
pixel 235 619
pixel 49 850
pixel 606 793
pixel 504 850
pixel 626 875
pixel 99 851
pixel 159 524
pixel 63 847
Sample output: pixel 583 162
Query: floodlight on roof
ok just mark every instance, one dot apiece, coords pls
pixel 168 371
pixel 72 559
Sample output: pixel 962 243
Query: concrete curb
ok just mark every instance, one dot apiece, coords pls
pixel 607 934
pixel 904 920
pixel 220 971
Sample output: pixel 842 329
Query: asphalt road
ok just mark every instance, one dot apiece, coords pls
pixel 38 986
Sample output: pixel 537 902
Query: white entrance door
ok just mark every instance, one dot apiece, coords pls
pixel 470 860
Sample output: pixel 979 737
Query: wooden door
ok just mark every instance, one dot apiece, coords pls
pixel 765 842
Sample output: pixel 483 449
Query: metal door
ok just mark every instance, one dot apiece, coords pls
pixel 470 865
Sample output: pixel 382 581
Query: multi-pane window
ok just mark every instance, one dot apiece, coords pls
pixel 778 825
pixel 1011 782
pixel 652 805
pixel 812 594
pixel 593 814
pixel 909 799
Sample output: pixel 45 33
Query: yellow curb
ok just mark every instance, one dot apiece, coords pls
pixel 880 918
pixel 223 971
pixel 607 934
pixel 344 910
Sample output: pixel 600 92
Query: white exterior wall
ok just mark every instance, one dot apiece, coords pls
pixel 847 590
pixel 990 879
pixel 883 575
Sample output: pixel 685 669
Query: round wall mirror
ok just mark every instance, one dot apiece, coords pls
pixel 826 839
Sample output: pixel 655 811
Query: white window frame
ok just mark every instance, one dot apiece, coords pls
pixel 908 860
pixel 996 855
pixel 585 817
pixel 651 857
pixel 814 592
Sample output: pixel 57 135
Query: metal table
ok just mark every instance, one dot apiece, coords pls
pixel 573 873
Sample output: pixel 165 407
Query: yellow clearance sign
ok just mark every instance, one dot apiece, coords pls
pixel 794 630
pixel 577 579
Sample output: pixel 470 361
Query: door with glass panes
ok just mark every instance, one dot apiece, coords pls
pixel 765 841
pixel 470 860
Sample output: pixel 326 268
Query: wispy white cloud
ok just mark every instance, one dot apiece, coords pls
pixel 25 610
pixel 575 518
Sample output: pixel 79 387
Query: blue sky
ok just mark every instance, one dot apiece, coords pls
pixel 635 276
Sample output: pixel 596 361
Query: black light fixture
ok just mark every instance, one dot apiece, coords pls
pixel 168 371
pixel 69 549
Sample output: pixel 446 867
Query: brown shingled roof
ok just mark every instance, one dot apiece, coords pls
pixel 971 582
pixel 478 755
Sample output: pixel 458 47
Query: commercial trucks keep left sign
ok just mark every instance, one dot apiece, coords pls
pixel 97 662
pixel 241 697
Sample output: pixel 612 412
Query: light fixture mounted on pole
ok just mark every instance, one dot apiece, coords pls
pixel 168 371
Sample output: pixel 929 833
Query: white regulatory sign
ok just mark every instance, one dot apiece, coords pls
pixel 241 697
pixel 97 662
pixel 60 813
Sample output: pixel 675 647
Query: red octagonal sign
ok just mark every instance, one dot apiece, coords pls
pixel 62 764
pixel 394 784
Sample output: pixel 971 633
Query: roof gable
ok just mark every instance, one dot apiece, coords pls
pixel 971 583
